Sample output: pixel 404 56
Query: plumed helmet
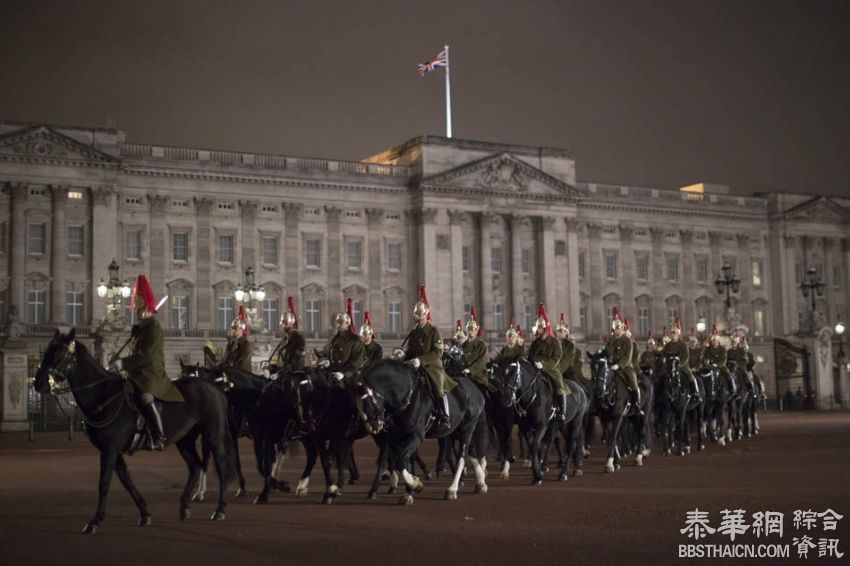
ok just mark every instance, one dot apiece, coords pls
pixel 366 328
pixel 241 320
pixel 542 323
pixel 616 320
pixel 627 328
pixel 459 334
pixel 290 318
pixel 677 328
pixel 715 336
pixel 142 292
pixel 473 329
pixel 665 337
pixel 422 306
pixel 650 340
pixel 562 325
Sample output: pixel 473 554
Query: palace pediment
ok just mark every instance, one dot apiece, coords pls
pixel 819 209
pixel 42 144
pixel 500 174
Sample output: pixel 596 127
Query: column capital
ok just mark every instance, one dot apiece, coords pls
pixel 457 217
pixel 375 215
pixel 657 234
pixel 518 220
pixel 594 229
pixel 572 223
pixel 627 232
pixel 488 218
pixel 204 205
pixel 845 245
pixel 59 193
pixel 790 240
pixel 715 237
pixel 686 235
pixel 158 202
pixel 548 222
pixel 332 212
pixel 292 210
pixel 743 240
pixel 102 196
pixel 427 215
pixel 248 206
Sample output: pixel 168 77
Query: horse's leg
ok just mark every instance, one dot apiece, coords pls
pixel 235 427
pixel 200 492
pixel 353 472
pixel 302 489
pixel 331 489
pixel 534 449
pixel 504 434
pixel 381 441
pixel 108 459
pixel 264 454
pixel 127 482
pixel 577 447
pixel 186 447
pixel 422 466
pixel 220 446
pixel 411 483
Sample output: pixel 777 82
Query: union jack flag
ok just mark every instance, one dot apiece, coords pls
pixel 441 60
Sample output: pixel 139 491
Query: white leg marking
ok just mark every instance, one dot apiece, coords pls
pixel 506 471
pixel 480 476
pixel 451 492
pixel 302 489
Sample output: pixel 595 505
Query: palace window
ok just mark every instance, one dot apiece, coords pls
pixel 394 256
pixel 313 252
pixel 394 317
pixel 133 245
pixel 271 312
pixel 180 312
pixel 672 267
pixel 702 269
pixel 36 239
pixel 312 315
pixel 36 306
pixel 496 260
pixel 642 266
pixel 610 265
pixel 526 261
pixel 76 240
pixel 225 248
pixel 224 312
pixel 757 273
pixel 180 246
pixel 465 260
pixel 74 308
pixel 354 249
pixel 270 246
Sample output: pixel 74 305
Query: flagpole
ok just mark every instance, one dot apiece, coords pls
pixel 448 98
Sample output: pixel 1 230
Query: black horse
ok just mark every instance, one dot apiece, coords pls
pixel 523 389
pixel 243 390
pixel 749 410
pixel 396 399
pixel 502 421
pixel 740 402
pixel 678 406
pixel 105 401
pixel 718 396
pixel 613 407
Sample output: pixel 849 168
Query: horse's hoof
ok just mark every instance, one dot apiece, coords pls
pixel 261 499
pixel 645 452
pixel 185 514
pixel 217 516
pixel 639 460
pixel 578 473
pixel 302 492
pixel 701 447
pixel 504 475
pixel 430 476
pixel 609 469
pixel 536 482
pixel 283 486
pixel 526 463
pixel 562 477
pixel 687 449
pixel 372 495
pixel 721 442
pixel 90 529
pixel 240 492
pixel 391 490
pixel 451 495
pixel 145 521
pixel 481 488
pixel 616 467
pixel 352 481
pixel 385 476
pixel 418 485
pixel 327 499
pixel 544 469
pixel 406 499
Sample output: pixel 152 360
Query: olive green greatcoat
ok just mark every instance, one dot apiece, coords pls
pixel 238 354
pixel 647 360
pixel 570 364
pixel 547 350
pixel 145 365
pixel 742 357
pixel 509 354
pixel 289 352
pixel 716 355
pixel 679 349
pixel 475 356
pixel 619 352
pixel 426 343
pixel 346 354
pixel 695 357
pixel 635 356
pixel 372 353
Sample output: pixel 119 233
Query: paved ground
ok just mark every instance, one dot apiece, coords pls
pixel 800 461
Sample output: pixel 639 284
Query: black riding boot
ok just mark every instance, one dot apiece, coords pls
pixel 635 398
pixel 443 420
pixel 561 412
pixel 695 387
pixel 154 420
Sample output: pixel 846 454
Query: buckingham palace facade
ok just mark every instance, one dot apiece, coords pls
pixel 496 226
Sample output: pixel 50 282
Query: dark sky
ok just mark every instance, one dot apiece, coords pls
pixel 752 94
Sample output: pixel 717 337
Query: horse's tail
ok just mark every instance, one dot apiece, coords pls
pixel 480 445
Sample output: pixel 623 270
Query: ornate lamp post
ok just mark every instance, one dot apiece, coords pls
pixel 248 294
pixel 727 282
pixel 115 292
pixel 839 329
pixel 813 287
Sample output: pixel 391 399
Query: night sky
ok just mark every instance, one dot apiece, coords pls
pixel 752 94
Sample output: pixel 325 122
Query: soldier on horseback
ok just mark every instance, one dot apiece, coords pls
pixel 570 364
pixel 545 352
pixel 475 353
pixel 619 352
pixel 239 350
pixel 345 354
pixel 648 356
pixel 372 351
pixel 425 350
pixel 288 356
pixel 145 366
pixel 695 351
pixel 741 356
pixel 715 354
pixel 679 349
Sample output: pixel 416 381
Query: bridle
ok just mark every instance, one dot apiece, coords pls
pixel 513 386
pixel 383 418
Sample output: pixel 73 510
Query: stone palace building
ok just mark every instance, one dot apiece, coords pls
pixel 496 226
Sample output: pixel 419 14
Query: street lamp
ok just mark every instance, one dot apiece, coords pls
pixel 249 293
pixel 701 329
pixel 839 329
pixel 727 282
pixel 814 286
pixel 115 291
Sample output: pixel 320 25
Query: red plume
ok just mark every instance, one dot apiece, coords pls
pixel 143 288
pixel 714 329
pixel 243 316
pixel 541 313
pixel 459 326
pixel 423 296
pixel 349 308
pixel 563 320
pixel 291 302
pixel 626 325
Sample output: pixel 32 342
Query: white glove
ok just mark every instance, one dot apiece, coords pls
pixel 337 375
pixel 615 367
pixel 398 354
pixel 324 364
pixel 538 365
pixel 116 365
pixel 266 373
pixel 415 363
pixel 466 372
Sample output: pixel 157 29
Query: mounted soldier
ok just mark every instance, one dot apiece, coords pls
pixel 570 364
pixel 676 347
pixel 739 353
pixel 475 352
pixel 238 352
pixel 648 356
pixel 695 351
pixel 545 352
pixel 425 350
pixel 511 351
pixel 619 352
pixel 627 330
pixel 289 355
pixel 145 366
pixel 459 337
pixel 716 354
pixel 372 351
pixel 344 354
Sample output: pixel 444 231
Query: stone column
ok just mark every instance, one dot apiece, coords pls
pixel 375 304
pixel 160 250
pixel 248 208
pixel 291 251
pixel 687 281
pixel 790 290
pixel 549 273
pixel 572 273
pixel 845 282
pixel 596 309
pixel 486 272
pixel 18 193
pixel 819 346
pixel 457 219
pixel 204 293
pixel 659 307
pixel 103 219
pixel 517 224
pixel 58 253
pixel 335 302
pixel 427 261
pixel 13 381
pixel 627 263
pixel 829 293
pixel 744 271
pixel 843 383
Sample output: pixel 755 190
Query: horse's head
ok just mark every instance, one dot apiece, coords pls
pixel 599 370
pixel 671 370
pixel 508 379
pixel 369 405
pixel 453 361
pixel 57 362
pixel 189 370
